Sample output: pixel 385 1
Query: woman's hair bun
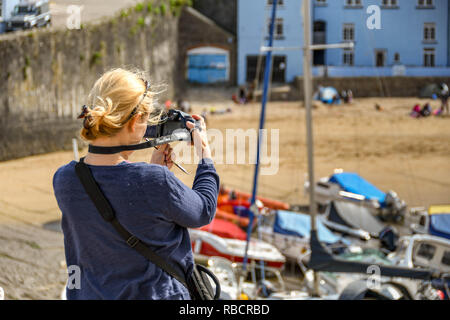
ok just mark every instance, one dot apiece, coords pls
pixel 112 99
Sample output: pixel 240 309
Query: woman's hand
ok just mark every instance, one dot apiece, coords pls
pixel 163 156
pixel 200 138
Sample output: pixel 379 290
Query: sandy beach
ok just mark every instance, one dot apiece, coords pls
pixel 388 148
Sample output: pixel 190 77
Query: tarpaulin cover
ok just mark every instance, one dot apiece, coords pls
pixel 440 225
pixel 321 259
pixel 354 216
pixel 354 183
pixel 225 229
pixel 297 224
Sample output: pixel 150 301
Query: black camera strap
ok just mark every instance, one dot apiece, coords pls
pixel 179 135
pixel 107 212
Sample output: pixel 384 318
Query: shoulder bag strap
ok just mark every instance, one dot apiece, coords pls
pixel 107 212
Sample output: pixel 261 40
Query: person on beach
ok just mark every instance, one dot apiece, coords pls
pixel 444 95
pixel 149 201
pixel 242 95
pixel 426 110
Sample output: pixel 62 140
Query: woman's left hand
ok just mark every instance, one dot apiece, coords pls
pixel 163 156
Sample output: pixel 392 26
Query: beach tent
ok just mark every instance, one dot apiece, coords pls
pixel 326 94
pixel 299 225
pixel 429 90
pixel 440 221
pixel 354 183
pixel 354 216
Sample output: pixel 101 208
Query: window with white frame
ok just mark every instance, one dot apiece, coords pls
pixel 279 2
pixel 390 3
pixel 429 32
pixel 348 57
pixel 348 32
pixel 429 57
pixel 353 3
pixel 425 3
pixel 278 28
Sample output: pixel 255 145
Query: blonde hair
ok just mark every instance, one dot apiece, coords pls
pixel 112 100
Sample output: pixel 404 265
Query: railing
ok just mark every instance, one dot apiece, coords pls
pixel 349 71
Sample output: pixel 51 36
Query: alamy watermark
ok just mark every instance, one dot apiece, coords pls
pixel 237 147
pixel 374 20
pixel 2 294
pixel 74 19
pixel 374 280
pixel 74 277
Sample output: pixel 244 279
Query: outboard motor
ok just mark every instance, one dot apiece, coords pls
pixel 265 289
pixel 395 209
pixel 389 238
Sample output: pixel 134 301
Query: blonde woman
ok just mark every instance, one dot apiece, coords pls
pixel 149 201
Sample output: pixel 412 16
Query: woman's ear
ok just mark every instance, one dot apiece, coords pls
pixel 132 123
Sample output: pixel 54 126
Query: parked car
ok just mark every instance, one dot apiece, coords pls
pixel 28 15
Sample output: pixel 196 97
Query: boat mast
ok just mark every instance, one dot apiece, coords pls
pixel 267 72
pixel 307 82
pixel 307 85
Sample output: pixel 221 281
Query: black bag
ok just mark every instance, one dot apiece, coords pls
pixel 197 283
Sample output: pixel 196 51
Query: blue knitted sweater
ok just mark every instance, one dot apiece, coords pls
pixel 151 203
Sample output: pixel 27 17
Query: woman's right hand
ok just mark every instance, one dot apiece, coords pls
pixel 200 138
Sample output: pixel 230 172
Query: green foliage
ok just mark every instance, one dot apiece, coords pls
pixel 141 22
pixel 139 7
pixel 96 58
pixel 25 68
pixel 149 7
pixel 177 5
pixel 33 244
pixel 124 13
pixel 134 30
pixel 119 48
pixel 163 9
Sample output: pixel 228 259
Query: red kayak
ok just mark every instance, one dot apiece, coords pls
pixel 225 229
pixel 231 217
pixel 244 197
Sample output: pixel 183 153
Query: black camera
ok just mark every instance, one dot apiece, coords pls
pixel 171 128
pixel 172 121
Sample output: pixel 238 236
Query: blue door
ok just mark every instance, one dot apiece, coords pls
pixel 207 68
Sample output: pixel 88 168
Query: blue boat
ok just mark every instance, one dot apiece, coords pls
pixel 289 232
pixel 354 183
pixel 439 224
